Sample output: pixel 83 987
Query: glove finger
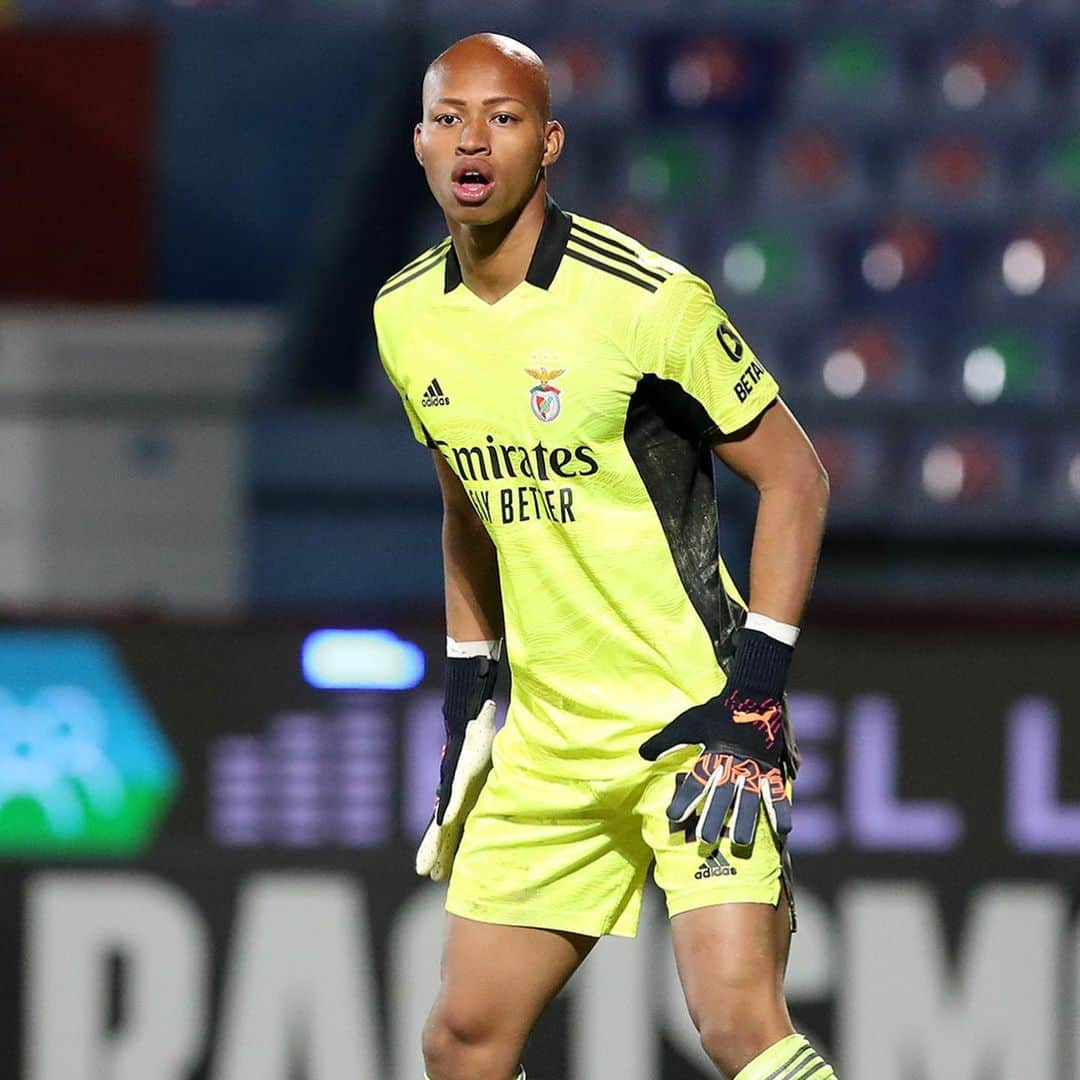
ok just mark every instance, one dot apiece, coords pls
pixel 428 851
pixel 744 816
pixel 780 815
pixel 715 811
pixel 449 838
pixel 472 765
pixel 770 810
pixel 689 793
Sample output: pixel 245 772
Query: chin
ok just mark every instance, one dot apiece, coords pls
pixel 484 214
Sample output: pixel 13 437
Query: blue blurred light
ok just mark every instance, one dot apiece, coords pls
pixel 360 660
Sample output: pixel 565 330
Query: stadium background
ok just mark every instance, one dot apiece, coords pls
pixel 208 805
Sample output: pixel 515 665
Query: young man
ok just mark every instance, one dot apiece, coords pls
pixel 575 388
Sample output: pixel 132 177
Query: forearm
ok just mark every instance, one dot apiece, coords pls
pixel 471 574
pixel 787 541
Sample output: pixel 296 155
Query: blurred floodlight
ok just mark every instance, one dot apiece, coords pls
pixel 1023 267
pixel 883 266
pixel 964 86
pixel 744 267
pixel 943 472
pixel 360 660
pixel 984 374
pixel 844 373
pixel 1074 475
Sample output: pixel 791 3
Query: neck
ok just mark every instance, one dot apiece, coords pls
pixel 495 258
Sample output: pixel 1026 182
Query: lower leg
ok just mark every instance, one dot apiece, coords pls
pixel 496 980
pixel 731 960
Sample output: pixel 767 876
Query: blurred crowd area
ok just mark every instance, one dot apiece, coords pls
pixel 206 196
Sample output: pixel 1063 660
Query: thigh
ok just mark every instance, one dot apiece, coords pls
pixel 550 852
pixel 732 957
pixel 496 980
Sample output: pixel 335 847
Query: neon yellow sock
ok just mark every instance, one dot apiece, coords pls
pixel 792 1058
pixel 520 1075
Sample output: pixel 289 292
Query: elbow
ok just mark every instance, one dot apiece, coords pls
pixel 821 483
pixel 818 488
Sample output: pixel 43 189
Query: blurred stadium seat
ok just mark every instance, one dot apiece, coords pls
pixel 592 79
pixel 1057 169
pixel 988 79
pixel 826 176
pixel 1061 507
pixel 1033 264
pixel 1003 364
pixel 953 176
pixel 770 270
pixel 964 476
pixel 849 80
pixel 866 360
pixel 666 170
pixel 719 77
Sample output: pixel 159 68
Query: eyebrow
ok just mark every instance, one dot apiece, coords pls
pixel 486 101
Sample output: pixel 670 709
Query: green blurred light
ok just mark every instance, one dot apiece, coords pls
pixel 1066 163
pixel 854 61
pixel 668 169
pixel 759 263
pixel 1001 367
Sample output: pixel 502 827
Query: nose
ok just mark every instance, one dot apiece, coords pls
pixel 473 138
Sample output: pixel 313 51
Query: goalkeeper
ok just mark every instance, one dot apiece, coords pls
pixel 576 390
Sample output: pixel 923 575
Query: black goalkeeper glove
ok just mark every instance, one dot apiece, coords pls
pixel 741 733
pixel 469 716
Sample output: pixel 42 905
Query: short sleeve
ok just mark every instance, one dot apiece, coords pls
pixel 418 429
pixel 684 336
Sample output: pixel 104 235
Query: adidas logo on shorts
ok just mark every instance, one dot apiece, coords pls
pixel 715 866
pixel 434 395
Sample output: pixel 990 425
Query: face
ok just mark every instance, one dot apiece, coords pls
pixel 484 137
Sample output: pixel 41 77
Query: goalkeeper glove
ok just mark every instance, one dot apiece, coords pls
pixel 469 717
pixel 742 735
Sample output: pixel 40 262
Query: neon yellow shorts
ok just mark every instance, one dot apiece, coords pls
pixel 573 855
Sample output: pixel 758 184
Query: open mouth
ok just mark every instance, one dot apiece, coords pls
pixel 472 186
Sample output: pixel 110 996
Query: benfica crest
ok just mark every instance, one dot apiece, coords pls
pixel 544 398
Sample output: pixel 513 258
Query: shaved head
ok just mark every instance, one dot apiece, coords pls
pixel 515 61
pixel 486 137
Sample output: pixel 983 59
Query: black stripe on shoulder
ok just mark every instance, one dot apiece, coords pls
pixel 397 283
pixel 648 286
pixel 438 249
pixel 600 236
pixel 435 249
pixel 656 275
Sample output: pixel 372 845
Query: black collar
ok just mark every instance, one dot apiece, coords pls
pixel 545 261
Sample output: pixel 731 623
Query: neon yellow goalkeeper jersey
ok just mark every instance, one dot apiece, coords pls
pixel 578 412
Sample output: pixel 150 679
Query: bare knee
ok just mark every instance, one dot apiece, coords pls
pixel 739 1026
pixel 464 1044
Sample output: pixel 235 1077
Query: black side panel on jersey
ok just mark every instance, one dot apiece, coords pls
pixel 666 434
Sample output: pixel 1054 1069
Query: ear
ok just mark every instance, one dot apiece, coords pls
pixel 416 143
pixel 554 137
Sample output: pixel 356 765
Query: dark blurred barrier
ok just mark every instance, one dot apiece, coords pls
pixel 76 113
pixel 211 870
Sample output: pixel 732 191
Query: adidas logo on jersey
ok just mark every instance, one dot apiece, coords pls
pixel 715 866
pixel 434 395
